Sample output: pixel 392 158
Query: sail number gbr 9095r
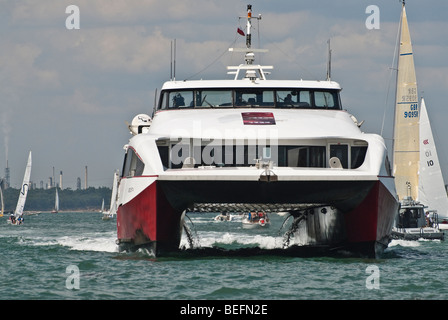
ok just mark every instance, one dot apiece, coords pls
pixel 413 113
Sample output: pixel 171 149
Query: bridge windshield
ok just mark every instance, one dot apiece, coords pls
pixel 248 97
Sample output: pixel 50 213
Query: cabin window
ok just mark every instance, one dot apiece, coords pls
pixel 294 99
pixel 164 155
pixel 243 155
pixel 180 99
pixel 249 97
pixel 214 98
pixel 179 152
pixel 341 152
pixel 132 166
pixel 173 157
pixel 301 156
pixel 358 155
pixel 254 98
pixel 325 99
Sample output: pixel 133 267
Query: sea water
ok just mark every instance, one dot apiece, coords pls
pixel 73 255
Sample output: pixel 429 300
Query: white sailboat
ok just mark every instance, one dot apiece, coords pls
pixel 1 198
pixel 56 202
pixel 414 166
pixel 431 185
pixel 17 217
pixel 113 200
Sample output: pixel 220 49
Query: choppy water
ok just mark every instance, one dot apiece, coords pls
pixel 74 256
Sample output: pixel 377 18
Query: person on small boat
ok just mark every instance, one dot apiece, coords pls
pixel 429 221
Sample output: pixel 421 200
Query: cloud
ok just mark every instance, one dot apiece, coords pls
pixel 19 69
pixel 65 86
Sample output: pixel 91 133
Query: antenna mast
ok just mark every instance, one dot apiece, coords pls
pixel 173 61
pixel 250 69
pixel 329 62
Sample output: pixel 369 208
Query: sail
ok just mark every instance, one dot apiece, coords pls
pixel 406 126
pixel 56 201
pixel 432 190
pixel 113 199
pixel 1 198
pixel 24 189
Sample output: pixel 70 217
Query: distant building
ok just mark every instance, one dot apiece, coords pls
pixel 78 183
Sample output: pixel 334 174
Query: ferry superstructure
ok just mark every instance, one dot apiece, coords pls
pixel 250 142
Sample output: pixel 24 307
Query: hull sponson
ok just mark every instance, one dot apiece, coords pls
pixel 153 220
pixel 369 225
pixel 148 220
pixel 345 195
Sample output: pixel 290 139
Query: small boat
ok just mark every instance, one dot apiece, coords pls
pixel 413 223
pixel 17 217
pixel 255 220
pixel 56 203
pixel 443 224
pixel 223 217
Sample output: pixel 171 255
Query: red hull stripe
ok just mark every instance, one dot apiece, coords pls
pixel 372 220
pixel 148 217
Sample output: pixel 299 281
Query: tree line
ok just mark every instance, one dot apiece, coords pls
pixel 44 199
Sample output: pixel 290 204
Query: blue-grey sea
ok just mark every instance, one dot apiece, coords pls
pixel 73 256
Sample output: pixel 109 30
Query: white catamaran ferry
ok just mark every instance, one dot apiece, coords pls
pixel 255 144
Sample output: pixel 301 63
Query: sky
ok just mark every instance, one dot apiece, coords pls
pixel 66 93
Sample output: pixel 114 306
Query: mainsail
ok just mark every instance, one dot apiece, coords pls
pixel 432 190
pixel 24 189
pixel 406 127
pixel 1 198
pixel 56 201
pixel 113 199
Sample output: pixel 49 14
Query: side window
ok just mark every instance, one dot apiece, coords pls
pixel 323 99
pixel 214 98
pixel 286 99
pixel 304 99
pixel 358 155
pixel 341 152
pixel 180 99
pixel 133 166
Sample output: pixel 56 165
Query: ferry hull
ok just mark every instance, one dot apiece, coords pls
pixel 148 221
pixel 153 219
pixel 369 225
